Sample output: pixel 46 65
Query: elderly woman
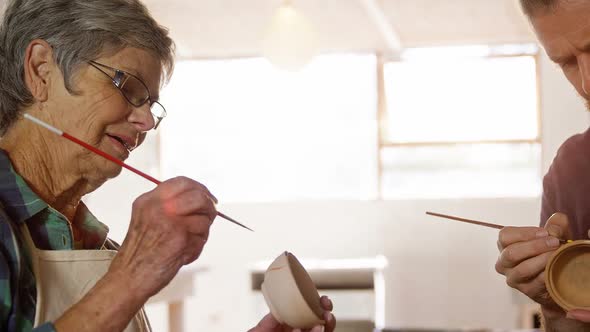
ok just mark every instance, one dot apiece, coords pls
pixel 93 69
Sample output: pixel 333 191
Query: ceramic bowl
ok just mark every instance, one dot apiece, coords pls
pixel 567 275
pixel 290 293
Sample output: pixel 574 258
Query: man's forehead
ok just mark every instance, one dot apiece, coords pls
pixel 564 30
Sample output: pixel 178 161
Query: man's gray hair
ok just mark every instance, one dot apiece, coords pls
pixel 78 31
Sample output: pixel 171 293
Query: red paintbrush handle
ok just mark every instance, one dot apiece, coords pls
pixel 134 170
pixel 109 157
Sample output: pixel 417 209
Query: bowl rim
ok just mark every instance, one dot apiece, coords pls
pixel 550 279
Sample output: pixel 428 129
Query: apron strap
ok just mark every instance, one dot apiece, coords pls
pixel 141 318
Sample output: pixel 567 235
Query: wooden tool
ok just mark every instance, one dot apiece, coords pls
pixel 476 222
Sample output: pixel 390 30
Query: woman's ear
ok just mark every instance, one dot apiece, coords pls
pixel 38 67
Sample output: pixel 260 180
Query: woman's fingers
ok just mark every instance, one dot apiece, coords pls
pixel 169 227
pixel 192 202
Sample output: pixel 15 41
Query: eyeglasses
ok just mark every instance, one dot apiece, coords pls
pixel 134 90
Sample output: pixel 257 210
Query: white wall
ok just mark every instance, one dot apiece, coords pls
pixel 438 270
pixel 441 274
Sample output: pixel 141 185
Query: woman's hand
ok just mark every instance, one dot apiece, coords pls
pixel 269 324
pixel 169 227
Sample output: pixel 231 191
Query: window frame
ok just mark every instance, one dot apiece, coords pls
pixel 382 116
pixel 382 142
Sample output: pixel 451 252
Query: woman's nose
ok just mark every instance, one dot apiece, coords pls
pixel 141 117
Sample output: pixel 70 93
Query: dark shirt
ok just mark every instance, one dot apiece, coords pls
pixel 566 187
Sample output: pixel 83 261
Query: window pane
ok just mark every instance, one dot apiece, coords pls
pixel 467 99
pixel 459 171
pixel 252 133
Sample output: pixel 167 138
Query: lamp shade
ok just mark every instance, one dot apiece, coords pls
pixel 290 41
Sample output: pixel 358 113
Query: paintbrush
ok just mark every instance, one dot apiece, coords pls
pixel 476 222
pixel 111 158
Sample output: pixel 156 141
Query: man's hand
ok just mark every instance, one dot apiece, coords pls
pixel 580 315
pixel 524 252
pixel 269 324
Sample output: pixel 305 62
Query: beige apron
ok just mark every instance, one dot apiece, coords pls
pixel 63 277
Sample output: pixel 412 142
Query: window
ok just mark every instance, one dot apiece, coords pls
pixel 460 126
pixel 252 133
pixel 461 170
pixel 446 122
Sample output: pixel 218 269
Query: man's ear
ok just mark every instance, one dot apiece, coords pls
pixel 38 67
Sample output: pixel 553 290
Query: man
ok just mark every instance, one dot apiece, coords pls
pixel 563 29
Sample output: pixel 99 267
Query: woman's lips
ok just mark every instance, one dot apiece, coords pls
pixel 120 145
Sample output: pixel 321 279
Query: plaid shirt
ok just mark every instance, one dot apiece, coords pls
pixel 49 229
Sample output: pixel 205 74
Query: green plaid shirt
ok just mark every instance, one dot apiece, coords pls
pixel 49 229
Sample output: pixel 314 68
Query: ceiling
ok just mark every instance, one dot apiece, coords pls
pixel 234 28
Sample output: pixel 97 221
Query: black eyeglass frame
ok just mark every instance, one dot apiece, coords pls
pixel 118 83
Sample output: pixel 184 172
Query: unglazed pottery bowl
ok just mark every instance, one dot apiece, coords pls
pixel 290 293
pixel 567 275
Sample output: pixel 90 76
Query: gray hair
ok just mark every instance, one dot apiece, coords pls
pixel 78 31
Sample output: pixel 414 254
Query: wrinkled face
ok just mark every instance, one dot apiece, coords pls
pixel 565 35
pixel 100 115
